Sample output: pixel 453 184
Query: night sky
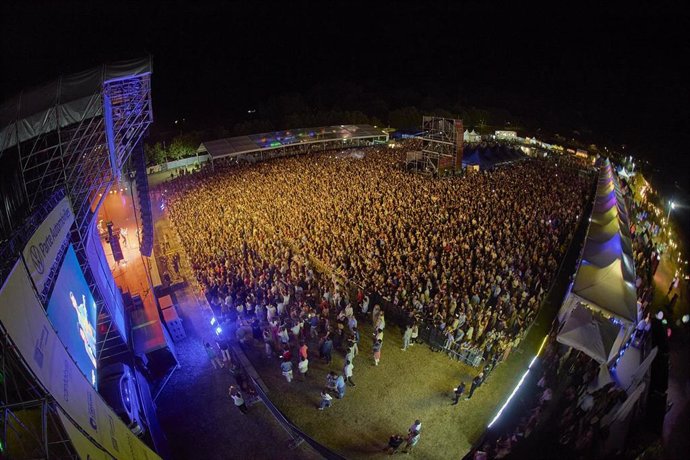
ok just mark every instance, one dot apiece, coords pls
pixel 613 73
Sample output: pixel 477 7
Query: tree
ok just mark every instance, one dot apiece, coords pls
pixel 155 154
pixel 183 145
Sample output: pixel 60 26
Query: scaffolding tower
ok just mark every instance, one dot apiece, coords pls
pixel 442 142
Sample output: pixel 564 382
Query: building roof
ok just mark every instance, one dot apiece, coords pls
pixel 240 145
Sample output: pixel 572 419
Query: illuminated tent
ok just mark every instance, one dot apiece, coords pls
pixel 591 333
pixel 603 254
pixel 600 310
pixel 487 157
pixel 606 289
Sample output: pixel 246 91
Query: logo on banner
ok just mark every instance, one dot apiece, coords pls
pixel 41 251
pixel 92 410
pixel 37 258
pixel 40 347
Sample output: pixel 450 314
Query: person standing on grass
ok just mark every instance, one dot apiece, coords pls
pixel 375 314
pixel 416 426
pixel 327 349
pixel 304 350
pixel 407 336
pixel 380 322
pixel 476 382
pixel 313 325
pixel 459 390
pixel 213 356
pixel 355 339
pixel 268 343
pixel 347 372
pixel 286 368
pixel 286 354
pixel 331 378
pixel 378 335
pixel 237 399
pixel 412 440
pixel 414 334
pixel 326 399
pixel 365 305
pixel 350 355
pixel 376 348
pixel 394 443
pixel 340 386
pixel 303 367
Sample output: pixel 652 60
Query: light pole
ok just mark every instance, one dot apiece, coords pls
pixel 670 208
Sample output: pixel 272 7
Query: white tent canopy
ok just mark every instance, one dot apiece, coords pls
pixel 590 333
pixel 601 308
pixel 606 289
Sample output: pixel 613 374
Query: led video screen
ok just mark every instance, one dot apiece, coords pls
pixel 72 312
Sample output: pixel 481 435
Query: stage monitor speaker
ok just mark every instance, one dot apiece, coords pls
pixel 114 240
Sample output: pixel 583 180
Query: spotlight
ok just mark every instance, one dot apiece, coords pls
pixel 218 330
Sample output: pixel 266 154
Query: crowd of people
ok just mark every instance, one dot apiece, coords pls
pixel 569 412
pixel 566 416
pixel 282 242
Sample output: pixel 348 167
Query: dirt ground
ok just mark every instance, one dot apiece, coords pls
pixel 407 385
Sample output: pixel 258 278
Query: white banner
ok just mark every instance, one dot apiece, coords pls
pixel 40 253
pixel 26 323
pixel 85 448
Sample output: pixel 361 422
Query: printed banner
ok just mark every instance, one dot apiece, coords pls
pixel 40 253
pixel 26 323
pixel 85 448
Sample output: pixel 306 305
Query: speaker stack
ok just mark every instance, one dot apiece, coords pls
pixel 139 163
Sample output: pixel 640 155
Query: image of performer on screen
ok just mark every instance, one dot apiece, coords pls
pixel 86 330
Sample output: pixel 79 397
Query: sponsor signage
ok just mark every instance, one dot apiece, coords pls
pixel 26 323
pixel 41 252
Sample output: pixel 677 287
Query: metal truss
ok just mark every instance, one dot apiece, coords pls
pixel 439 146
pixel 85 159
pixel 29 423
pixel 81 158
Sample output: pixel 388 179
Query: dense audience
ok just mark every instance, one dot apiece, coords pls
pixel 283 241
pixel 567 417
pixel 571 412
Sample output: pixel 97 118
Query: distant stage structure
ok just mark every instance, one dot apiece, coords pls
pixel 442 147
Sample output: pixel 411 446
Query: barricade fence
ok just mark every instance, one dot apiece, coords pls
pixel 295 433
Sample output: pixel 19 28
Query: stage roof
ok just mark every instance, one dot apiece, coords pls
pixel 62 102
pixel 240 145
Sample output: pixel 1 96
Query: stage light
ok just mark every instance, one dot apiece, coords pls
pixel 218 330
pixel 498 415
pixel 213 321
pixel 517 387
pixel 685 319
pixel 660 315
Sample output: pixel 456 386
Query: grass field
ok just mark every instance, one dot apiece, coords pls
pixel 407 385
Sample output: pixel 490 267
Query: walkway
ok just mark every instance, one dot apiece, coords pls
pixel 194 408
